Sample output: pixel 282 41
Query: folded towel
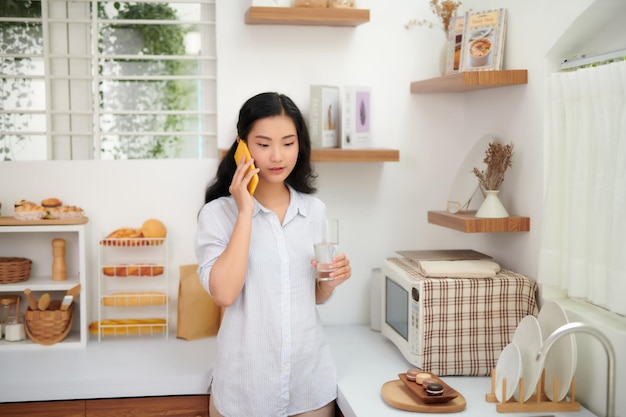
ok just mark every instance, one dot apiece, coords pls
pixel 479 268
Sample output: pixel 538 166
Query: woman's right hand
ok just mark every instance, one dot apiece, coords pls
pixel 239 185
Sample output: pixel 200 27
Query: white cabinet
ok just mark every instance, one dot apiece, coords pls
pixel 33 240
pixel 133 284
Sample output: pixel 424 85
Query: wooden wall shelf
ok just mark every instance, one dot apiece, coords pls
pixel 349 155
pixel 467 222
pixel 355 155
pixel 306 16
pixel 470 81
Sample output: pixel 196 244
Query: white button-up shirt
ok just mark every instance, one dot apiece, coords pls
pixel 272 358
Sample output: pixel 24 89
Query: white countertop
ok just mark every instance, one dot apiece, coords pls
pixel 366 360
pixel 113 368
pixel 137 367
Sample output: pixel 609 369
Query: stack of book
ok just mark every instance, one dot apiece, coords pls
pixel 339 117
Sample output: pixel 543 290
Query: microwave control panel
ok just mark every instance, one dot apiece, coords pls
pixel 414 341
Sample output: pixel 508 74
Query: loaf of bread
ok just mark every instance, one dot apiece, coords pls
pixel 124 236
pixel 64 212
pixel 144 270
pixel 128 327
pixel 129 236
pixel 26 210
pixel 134 299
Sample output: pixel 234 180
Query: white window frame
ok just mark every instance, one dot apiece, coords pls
pixel 71 79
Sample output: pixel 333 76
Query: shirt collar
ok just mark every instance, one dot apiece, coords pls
pixel 296 206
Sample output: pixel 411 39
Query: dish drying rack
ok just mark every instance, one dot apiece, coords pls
pixel 538 402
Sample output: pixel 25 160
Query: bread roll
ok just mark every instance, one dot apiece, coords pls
pixel 25 210
pixel 132 270
pixel 51 202
pixel 108 271
pixel 153 228
pixel 150 270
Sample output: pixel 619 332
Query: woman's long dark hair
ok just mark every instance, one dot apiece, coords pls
pixel 264 105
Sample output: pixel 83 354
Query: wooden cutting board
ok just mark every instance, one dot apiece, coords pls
pixel 397 395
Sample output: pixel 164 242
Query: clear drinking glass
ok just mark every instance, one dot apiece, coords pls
pixel 327 248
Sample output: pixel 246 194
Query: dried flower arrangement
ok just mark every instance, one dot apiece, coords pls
pixel 498 158
pixel 445 10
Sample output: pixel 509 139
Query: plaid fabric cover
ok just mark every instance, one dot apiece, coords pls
pixel 467 322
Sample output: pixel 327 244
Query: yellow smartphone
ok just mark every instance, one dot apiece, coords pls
pixel 242 149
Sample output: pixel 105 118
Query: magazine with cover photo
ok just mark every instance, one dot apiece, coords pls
pixel 483 40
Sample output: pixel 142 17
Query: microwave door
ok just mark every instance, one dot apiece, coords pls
pixel 397 307
pixel 401 316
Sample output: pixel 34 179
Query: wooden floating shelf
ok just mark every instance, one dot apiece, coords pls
pixel 349 155
pixel 306 16
pixel 11 221
pixel 470 81
pixel 355 155
pixel 468 222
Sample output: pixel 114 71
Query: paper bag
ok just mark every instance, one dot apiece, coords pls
pixel 198 315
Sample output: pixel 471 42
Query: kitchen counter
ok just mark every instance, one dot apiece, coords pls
pixel 137 367
pixel 366 360
pixel 113 368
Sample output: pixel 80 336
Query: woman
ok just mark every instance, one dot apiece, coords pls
pixel 256 258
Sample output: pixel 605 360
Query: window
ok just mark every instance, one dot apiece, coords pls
pixel 104 79
pixel 582 248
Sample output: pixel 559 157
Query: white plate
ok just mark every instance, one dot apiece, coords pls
pixel 465 185
pixel 560 362
pixel 509 367
pixel 527 338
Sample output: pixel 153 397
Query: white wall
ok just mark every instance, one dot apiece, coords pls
pixel 433 132
pixel 117 194
pixel 382 206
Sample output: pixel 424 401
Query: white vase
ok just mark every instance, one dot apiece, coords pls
pixel 492 207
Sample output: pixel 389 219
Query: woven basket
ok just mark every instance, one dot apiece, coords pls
pixel 49 326
pixel 14 270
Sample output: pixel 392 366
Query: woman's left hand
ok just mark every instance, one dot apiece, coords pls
pixel 342 272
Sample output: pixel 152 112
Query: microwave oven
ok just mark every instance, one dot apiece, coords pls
pixel 400 311
pixel 452 326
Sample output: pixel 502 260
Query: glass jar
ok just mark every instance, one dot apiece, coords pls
pixel 14 329
pixel 6 303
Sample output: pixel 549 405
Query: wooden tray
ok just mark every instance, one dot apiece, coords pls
pixel 12 221
pixel 449 393
pixel 396 394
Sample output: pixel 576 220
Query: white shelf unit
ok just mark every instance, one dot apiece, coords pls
pixel 34 241
pixel 133 299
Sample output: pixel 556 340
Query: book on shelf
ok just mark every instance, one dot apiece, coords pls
pixel 355 120
pixel 324 113
pixel 484 34
pixel 455 38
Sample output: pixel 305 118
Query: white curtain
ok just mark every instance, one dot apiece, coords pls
pixel 583 235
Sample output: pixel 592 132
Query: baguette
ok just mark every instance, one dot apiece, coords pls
pixel 128 327
pixel 134 299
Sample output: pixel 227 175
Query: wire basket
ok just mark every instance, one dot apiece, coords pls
pixel 14 270
pixel 49 326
